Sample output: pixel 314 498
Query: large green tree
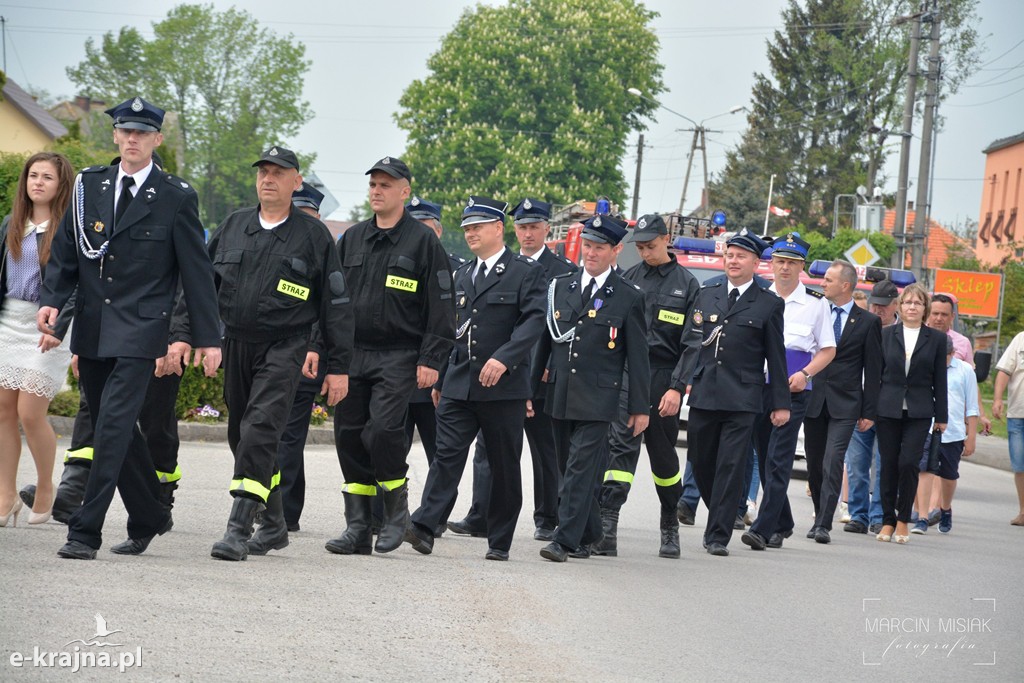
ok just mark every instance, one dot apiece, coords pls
pixel 529 99
pixel 232 88
pixel 837 68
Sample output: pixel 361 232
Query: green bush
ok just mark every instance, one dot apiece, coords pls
pixel 65 404
pixel 198 390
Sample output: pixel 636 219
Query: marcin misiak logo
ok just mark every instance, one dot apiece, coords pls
pixel 83 656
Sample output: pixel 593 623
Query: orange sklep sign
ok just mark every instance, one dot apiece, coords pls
pixel 977 293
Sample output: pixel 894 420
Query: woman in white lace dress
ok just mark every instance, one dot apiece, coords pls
pixel 32 366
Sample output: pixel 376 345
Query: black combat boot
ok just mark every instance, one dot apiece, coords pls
pixel 610 525
pixel 396 519
pixel 167 500
pixel 273 532
pixel 669 534
pixel 356 539
pixel 234 544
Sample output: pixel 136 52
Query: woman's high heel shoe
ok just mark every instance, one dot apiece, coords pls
pixel 35 518
pixel 13 512
pixel 883 536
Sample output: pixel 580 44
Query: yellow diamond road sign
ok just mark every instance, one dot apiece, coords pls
pixel 862 253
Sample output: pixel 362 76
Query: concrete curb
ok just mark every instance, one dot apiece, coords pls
pixel 195 431
pixel 992 451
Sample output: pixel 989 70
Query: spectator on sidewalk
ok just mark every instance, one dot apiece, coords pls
pixel 1010 373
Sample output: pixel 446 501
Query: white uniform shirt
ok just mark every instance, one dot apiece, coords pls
pixel 807 321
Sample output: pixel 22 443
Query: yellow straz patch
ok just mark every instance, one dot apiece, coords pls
pixel 395 282
pixel 292 289
pixel 670 317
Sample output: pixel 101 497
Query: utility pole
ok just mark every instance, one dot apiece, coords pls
pixel 927 135
pixel 698 142
pixel 899 230
pixel 639 163
pixel 689 164
pixel 3 32
pixel 705 199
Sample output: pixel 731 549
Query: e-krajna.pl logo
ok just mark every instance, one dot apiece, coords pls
pixel 83 656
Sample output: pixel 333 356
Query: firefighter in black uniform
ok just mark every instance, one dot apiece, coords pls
pixel 277 277
pixel 532 218
pixel 499 316
pixel 596 326
pixel 669 293
pixel 739 327
pixel 401 283
pixel 421 406
pixel 293 440
pixel 130 233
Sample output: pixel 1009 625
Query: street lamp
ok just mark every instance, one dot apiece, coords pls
pixel 698 141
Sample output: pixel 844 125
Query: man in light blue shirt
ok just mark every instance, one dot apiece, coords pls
pixel 958 440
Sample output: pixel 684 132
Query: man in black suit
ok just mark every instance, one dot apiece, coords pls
pixel 739 326
pixel 531 224
pixel 844 395
pixel 499 315
pixel 596 326
pixel 130 233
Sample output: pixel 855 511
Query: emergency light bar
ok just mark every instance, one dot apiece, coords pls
pixel 900 278
pixel 694 244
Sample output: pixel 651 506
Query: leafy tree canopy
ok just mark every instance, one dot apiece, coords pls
pixel 529 99
pixel 837 68
pixel 231 89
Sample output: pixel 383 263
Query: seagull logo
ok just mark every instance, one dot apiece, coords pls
pixel 101 632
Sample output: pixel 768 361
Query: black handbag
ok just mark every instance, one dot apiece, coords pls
pixel 933 451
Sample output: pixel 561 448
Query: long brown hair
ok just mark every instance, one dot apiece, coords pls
pixel 22 209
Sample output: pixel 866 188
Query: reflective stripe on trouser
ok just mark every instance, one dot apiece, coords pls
pixel 359 489
pixel 252 488
pixel 82 455
pixel 169 477
pixel 660 440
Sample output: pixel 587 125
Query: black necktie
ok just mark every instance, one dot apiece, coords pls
pixel 125 199
pixel 733 296
pixel 481 273
pixel 588 291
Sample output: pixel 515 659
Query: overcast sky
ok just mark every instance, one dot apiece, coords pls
pixel 364 54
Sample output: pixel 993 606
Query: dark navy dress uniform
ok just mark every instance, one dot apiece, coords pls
pixel 500 317
pixel 123 308
pixel 589 345
pixel 726 394
pixel 539 430
pixel 274 286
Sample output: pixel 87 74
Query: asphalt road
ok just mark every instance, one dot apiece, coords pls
pixel 853 610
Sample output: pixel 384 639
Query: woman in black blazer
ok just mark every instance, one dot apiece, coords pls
pixel 913 393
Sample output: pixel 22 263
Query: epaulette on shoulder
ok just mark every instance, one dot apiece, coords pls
pixel 564 276
pixel 464 264
pixel 709 285
pixel 459 259
pixel 567 261
pixel 635 286
pixel 815 293
pixel 94 169
pixel 178 182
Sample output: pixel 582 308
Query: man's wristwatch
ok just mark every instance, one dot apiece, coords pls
pixel 807 374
